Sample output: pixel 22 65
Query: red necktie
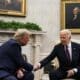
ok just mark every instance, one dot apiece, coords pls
pixel 67 53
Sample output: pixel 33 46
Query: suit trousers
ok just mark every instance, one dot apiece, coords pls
pixel 27 76
pixel 59 74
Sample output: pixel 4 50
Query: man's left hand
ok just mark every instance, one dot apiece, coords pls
pixel 70 73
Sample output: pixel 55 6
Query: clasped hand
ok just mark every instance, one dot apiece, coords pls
pixel 20 73
pixel 70 73
pixel 36 66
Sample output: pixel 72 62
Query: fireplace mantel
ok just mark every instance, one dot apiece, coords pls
pixel 13 31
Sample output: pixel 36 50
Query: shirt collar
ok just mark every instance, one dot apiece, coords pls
pixel 69 45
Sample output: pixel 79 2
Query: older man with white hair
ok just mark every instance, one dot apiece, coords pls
pixel 68 54
pixel 12 64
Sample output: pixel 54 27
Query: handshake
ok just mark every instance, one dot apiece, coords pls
pixel 36 66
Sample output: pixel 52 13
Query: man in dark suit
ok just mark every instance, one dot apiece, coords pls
pixel 12 64
pixel 68 54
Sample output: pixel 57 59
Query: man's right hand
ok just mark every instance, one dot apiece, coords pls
pixel 20 73
pixel 36 66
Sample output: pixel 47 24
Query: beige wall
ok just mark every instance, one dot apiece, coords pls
pixel 45 13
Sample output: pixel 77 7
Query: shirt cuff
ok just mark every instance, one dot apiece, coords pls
pixel 75 70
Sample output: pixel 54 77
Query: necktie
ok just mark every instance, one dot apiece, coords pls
pixel 67 53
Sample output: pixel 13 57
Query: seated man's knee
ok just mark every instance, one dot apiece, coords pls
pixel 29 76
pixel 10 78
pixel 53 75
pixel 32 75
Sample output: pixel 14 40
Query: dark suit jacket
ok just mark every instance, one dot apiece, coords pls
pixel 59 52
pixel 11 58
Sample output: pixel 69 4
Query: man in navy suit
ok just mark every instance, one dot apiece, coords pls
pixel 69 58
pixel 12 64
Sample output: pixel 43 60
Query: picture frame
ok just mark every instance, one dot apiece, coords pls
pixel 70 16
pixel 13 7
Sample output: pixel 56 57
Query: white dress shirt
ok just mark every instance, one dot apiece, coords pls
pixel 70 50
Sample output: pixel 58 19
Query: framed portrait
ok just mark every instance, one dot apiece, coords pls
pixel 13 7
pixel 70 16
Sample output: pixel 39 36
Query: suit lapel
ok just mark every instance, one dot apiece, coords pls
pixel 73 51
pixel 65 55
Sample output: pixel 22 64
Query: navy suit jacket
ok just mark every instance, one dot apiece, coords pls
pixel 59 52
pixel 11 58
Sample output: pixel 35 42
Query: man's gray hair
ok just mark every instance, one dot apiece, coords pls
pixel 67 31
pixel 21 32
